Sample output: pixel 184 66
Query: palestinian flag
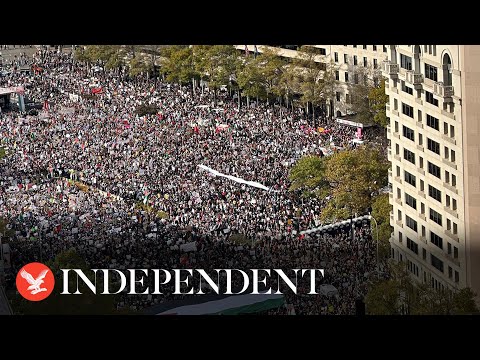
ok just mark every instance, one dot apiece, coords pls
pixel 220 305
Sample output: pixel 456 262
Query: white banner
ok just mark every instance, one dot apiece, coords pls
pixel 236 179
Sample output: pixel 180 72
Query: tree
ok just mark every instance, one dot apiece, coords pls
pixel 354 177
pixel 378 101
pixel 309 173
pixel 401 294
pixel 381 209
pixel 177 64
pixel 249 78
pixel 316 82
pixel 367 93
pixel 138 65
pixel 216 63
pixel 271 66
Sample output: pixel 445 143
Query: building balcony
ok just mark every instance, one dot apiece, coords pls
pixel 450 187
pixel 422 216
pixel 397 157
pixel 387 106
pixel 452 259
pixel 421 193
pixel 397 179
pixel 450 211
pixel 444 91
pixel 423 239
pixel 398 201
pixel 397 135
pixel 415 79
pixel 389 156
pixel 449 163
pixel 421 171
pixel 419 101
pixel 390 69
pixel 399 223
pixel 391 219
pixel 420 147
pixel 449 139
pixel 451 235
pixel 419 124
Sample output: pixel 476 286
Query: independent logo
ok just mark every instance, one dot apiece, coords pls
pixel 35 281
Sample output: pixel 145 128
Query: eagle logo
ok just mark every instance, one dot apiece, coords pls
pixel 34 283
pixel 35 288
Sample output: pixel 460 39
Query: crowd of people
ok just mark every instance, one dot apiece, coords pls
pixel 125 189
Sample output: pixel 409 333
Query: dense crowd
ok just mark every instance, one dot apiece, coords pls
pixel 90 173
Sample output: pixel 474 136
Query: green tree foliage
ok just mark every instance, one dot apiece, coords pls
pixel 368 96
pixel 271 66
pixel 378 101
pixel 216 64
pixel 177 64
pixel 138 65
pixel 401 294
pixel 309 173
pixel 315 78
pixel 354 176
pixel 249 78
pixel 351 178
pixel 381 209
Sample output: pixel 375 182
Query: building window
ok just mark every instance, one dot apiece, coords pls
pixel 336 56
pixel 337 75
pixel 436 217
pixel 375 63
pixel 411 201
pixel 364 47
pixel 433 146
pixel 412 245
pixel 365 63
pixel 430 99
pixel 430 72
pixel 409 156
pixel 434 169
pixel 434 193
pixel 345 59
pixel 338 96
pixel 354 46
pixel 436 240
pixel 323 51
pixel 432 122
pixel 407 110
pixel 405 62
pixel 455 252
pixel 457 278
pixel 452 131
pixel 452 156
pixel 406 89
pixel 436 263
pixel 347 97
pixel 408 133
pixel 346 76
pixel 449 248
pixel 374 47
pixel 354 59
pixel 410 179
pixel 384 48
pixel 412 224
pixel 424 254
pixel 454 180
pixel 450 271
pixel 355 78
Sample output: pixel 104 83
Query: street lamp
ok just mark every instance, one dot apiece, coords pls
pixel 376 228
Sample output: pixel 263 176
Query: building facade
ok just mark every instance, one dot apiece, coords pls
pixel 347 60
pixel 434 111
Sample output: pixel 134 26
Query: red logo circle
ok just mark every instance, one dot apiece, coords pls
pixel 35 281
